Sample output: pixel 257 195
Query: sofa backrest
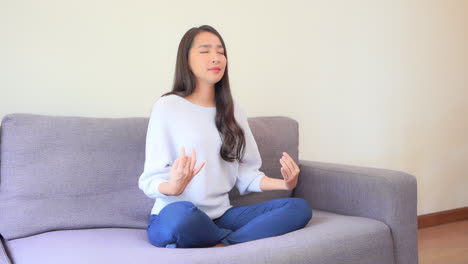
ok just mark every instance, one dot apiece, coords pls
pixel 62 172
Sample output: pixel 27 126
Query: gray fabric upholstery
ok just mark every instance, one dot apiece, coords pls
pixel 70 172
pixel 79 172
pixel 328 238
pixel 385 195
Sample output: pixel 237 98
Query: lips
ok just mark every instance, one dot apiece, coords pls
pixel 214 69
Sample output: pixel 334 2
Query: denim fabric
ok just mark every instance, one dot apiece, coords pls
pixel 185 225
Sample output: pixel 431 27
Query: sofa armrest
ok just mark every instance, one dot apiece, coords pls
pixel 385 195
pixel 4 256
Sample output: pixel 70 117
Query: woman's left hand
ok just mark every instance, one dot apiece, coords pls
pixel 290 171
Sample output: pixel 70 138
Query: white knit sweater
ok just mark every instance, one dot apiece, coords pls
pixel 177 122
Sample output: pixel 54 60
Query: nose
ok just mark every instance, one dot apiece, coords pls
pixel 215 58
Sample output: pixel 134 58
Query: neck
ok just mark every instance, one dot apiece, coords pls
pixel 204 95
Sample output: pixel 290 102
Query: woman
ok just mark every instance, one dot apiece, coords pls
pixel 192 207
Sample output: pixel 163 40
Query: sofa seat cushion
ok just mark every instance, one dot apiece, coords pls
pixel 328 238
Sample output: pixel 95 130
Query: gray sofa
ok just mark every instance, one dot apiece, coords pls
pixel 69 194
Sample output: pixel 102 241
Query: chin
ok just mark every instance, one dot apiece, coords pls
pixel 216 81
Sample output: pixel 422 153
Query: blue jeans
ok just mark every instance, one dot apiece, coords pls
pixel 185 225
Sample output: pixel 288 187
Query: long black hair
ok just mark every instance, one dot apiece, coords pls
pixel 232 135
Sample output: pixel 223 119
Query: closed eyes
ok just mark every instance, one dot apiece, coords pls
pixel 207 52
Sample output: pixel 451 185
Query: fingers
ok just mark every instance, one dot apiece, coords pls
pixel 199 168
pixel 286 168
pixel 182 152
pixel 293 164
pixel 285 177
pixel 290 169
pixel 194 162
pixel 187 164
pixel 193 159
pixel 286 164
pixel 293 168
pixel 184 163
pixel 286 173
pixel 190 163
pixel 176 164
pixel 182 159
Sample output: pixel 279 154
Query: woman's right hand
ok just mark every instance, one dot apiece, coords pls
pixel 183 171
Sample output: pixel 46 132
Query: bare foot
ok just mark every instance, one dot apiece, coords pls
pixel 219 245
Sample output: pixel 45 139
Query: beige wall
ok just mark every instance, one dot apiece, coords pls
pixel 372 83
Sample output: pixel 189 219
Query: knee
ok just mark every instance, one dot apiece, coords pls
pixel 180 206
pixel 302 209
pixel 172 211
pixel 179 215
pixel 172 220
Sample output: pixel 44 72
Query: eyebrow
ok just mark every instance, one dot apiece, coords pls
pixel 209 46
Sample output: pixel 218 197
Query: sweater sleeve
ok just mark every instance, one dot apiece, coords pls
pixel 157 154
pixel 249 174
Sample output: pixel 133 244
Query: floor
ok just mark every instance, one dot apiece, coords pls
pixel 447 244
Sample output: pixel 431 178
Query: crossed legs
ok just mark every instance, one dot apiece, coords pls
pixel 186 226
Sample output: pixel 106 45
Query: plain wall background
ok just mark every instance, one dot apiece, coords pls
pixel 371 83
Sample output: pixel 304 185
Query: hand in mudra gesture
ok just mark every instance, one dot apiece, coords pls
pixel 290 171
pixel 183 171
